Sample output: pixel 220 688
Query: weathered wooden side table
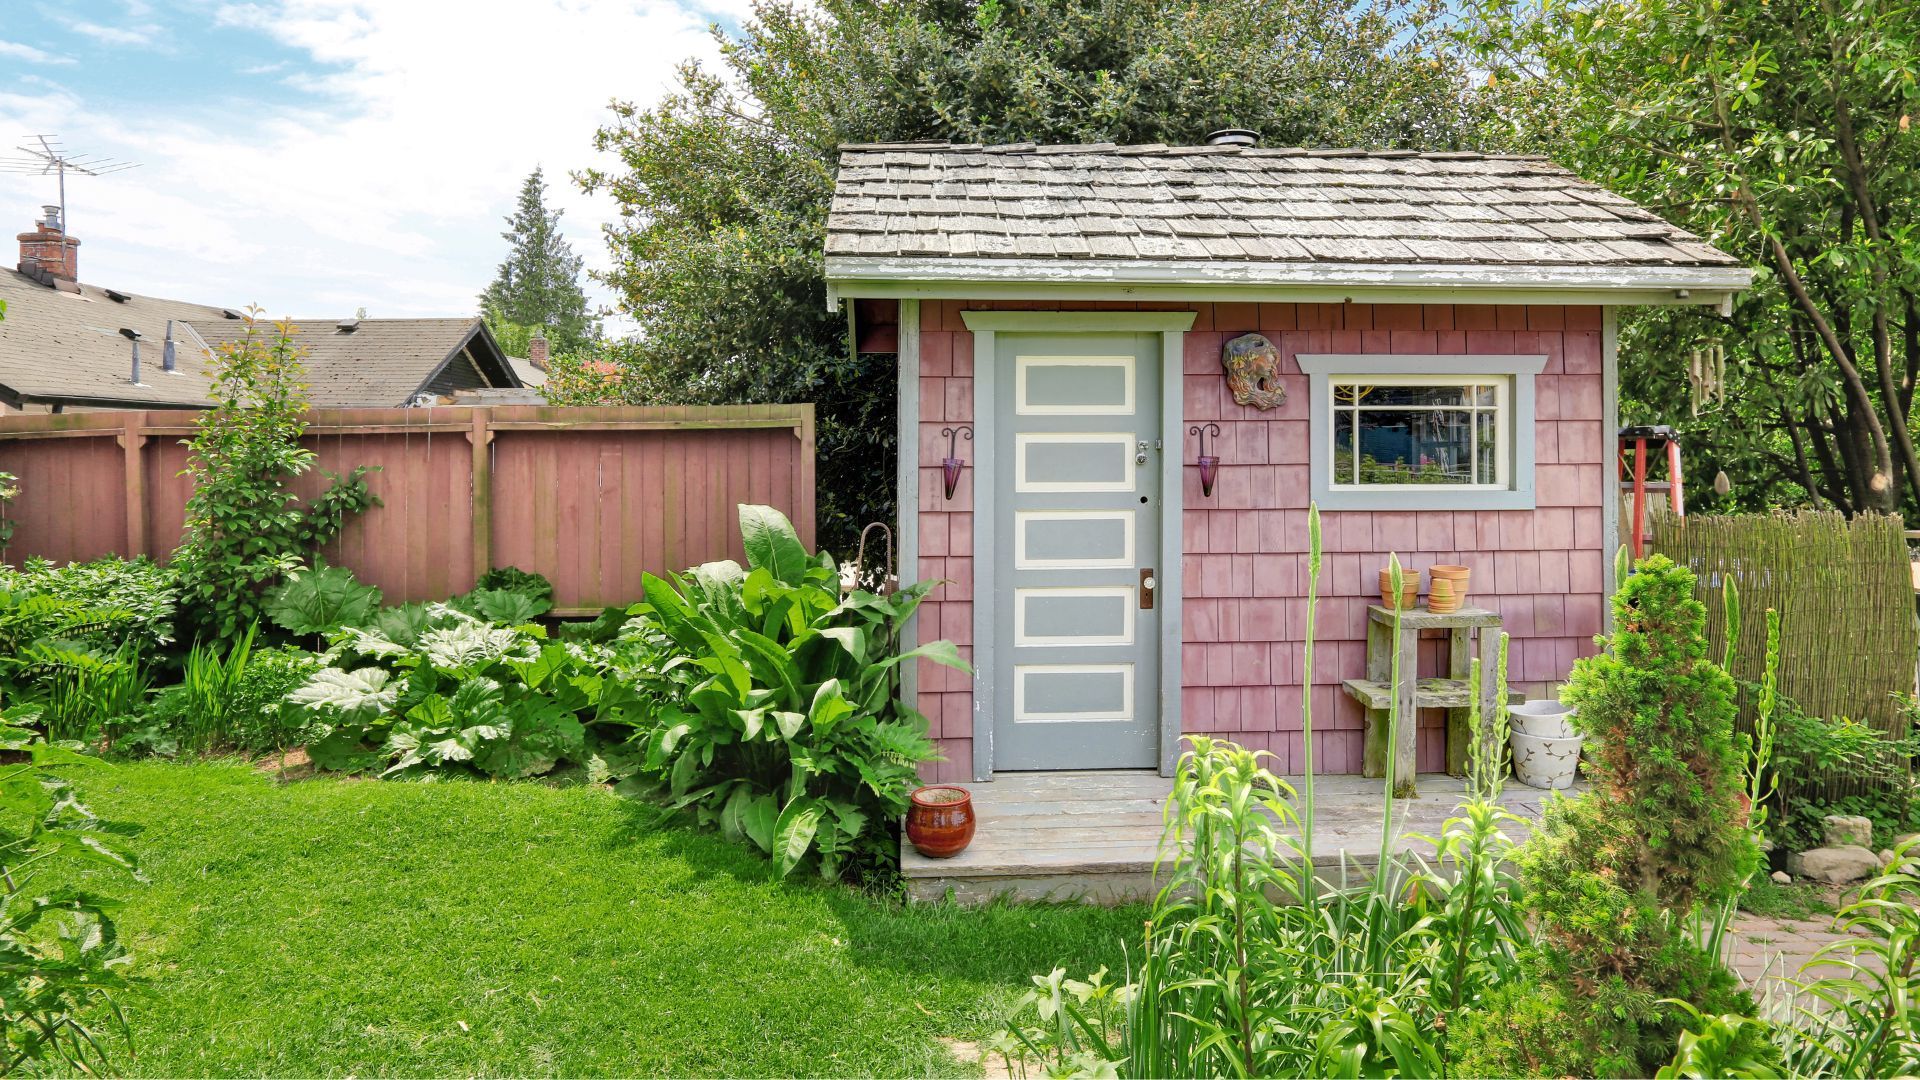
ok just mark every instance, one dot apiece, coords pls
pixel 1469 630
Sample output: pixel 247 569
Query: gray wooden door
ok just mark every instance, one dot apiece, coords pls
pixel 1077 428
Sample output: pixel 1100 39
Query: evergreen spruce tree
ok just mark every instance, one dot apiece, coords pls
pixel 539 281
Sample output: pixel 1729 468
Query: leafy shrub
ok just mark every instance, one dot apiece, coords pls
pixel 245 527
pixel 60 958
pixel 144 596
pixel 772 702
pixel 258 715
pixel 314 602
pixel 9 487
pixel 512 579
pixel 72 659
pixel 454 692
pixel 506 606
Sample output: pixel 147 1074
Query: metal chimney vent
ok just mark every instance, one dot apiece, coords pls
pixel 1233 137
pixel 134 336
pixel 347 326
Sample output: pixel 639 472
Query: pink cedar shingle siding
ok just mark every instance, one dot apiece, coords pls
pixel 1244 610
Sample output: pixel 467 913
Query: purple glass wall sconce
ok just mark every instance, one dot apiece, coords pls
pixel 951 465
pixel 1209 463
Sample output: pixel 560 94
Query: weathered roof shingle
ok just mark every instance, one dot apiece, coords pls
pixel 1101 203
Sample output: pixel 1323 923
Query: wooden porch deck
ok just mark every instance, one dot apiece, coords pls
pixel 1093 835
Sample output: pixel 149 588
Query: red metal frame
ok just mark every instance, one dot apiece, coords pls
pixel 1634 441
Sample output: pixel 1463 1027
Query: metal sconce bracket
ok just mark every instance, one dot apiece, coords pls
pixel 1209 463
pixel 951 465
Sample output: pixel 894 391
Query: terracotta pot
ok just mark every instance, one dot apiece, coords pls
pixel 940 821
pixel 1409 587
pixel 1458 575
pixel 1440 597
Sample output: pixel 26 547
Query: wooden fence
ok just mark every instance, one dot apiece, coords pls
pixel 1844 591
pixel 590 497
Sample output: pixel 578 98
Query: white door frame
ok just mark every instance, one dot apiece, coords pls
pixel 1171 326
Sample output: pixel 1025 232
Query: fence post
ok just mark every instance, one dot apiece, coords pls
pixel 131 440
pixel 482 438
pixel 805 503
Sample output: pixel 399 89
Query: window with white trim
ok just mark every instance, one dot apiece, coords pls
pixel 1426 432
pixel 1397 431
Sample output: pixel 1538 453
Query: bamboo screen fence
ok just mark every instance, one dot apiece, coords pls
pixel 1844 590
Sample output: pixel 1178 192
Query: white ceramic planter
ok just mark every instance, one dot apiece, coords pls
pixel 1543 718
pixel 1545 763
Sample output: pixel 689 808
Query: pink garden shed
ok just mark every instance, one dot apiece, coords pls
pixel 1422 344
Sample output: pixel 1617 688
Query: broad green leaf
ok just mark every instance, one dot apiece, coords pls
pixel 829 707
pixel 851 638
pixel 772 545
pixel 771 664
pixel 793 834
pixel 789 723
pixel 360 693
pixel 758 819
pixel 940 652
pixel 733 814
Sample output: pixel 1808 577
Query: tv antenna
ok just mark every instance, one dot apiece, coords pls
pixel 46 155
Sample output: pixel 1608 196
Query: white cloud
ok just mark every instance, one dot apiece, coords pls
pixel 132 34
pixel 388 191
pixel 21 51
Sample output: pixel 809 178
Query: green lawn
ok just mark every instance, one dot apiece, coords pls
pixel 333 927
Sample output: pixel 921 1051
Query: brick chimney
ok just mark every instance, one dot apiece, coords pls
pixel 48 252
pixel 537 350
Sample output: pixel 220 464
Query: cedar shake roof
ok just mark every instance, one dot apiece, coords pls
pixel 1266 213
pixel 64 346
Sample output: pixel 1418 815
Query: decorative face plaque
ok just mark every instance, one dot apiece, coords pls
pixel 1253 372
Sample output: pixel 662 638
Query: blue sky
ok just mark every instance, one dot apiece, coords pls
pixel 317 156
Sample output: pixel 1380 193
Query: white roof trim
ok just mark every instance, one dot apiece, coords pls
pixel 843 270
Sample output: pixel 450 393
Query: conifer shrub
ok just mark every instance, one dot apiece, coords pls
pixel 1615 878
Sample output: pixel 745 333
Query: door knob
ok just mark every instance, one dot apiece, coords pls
pixel 1147 585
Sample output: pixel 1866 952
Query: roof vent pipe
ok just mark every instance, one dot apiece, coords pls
pixel 166 351
pixel 133 336
pixel 1233 137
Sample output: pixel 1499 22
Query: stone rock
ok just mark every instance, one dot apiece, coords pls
pixel 1781 877
pixel 1840 830
pixel 1886 856
pixel 1837 865
pixel 1766 847
pixel 1905 837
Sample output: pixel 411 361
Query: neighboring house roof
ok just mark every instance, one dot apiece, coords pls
pixel 67 345
pixel 529 374
pixel 1225 215
pixel 384 361
pixel 63 346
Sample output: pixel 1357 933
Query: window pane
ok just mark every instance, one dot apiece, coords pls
pixel 1488 447
pixel 1343 446
pixel 1399 396
pixel 1483 395
pixel 1416 447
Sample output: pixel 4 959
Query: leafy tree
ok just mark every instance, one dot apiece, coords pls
pixel 724 185
pixel 245 528
pixel 1782 131
pixel 538 284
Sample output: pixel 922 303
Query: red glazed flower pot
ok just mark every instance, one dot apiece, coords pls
pixel 940 821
